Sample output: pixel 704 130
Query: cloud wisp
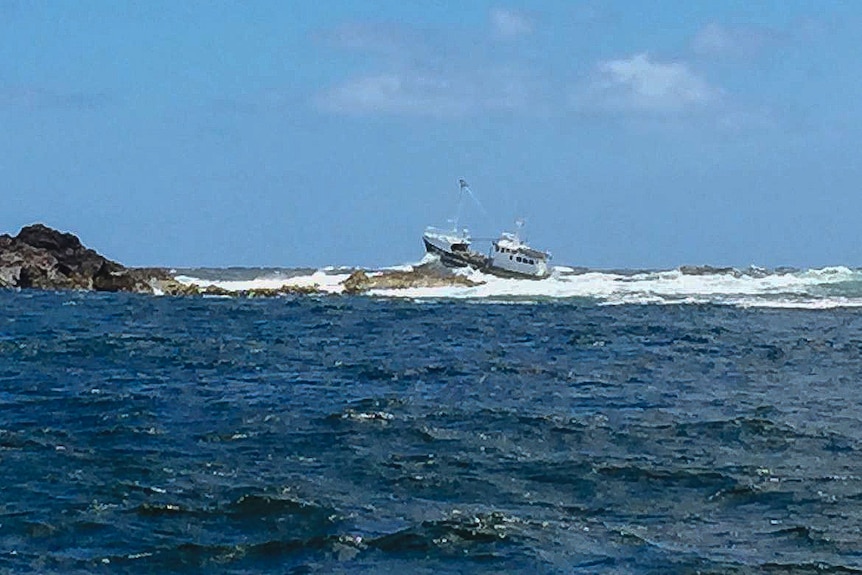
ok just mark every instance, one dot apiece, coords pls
pixel 430 73
pixel 510 23
pixel 393 93
pixel 430 94
pixel 641 84
pixel 33 98
pixel 425 73
pixel 369 38
pixel 722 41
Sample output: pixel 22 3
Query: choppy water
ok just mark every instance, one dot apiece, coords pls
pixel 347 435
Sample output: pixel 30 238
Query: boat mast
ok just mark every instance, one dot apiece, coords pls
pixel 465 189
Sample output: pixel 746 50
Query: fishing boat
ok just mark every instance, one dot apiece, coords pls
pixel 509 255
pixel 453 248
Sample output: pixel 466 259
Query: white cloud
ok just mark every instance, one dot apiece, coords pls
pixel 393 93
pixel 428 72
pixel 735 41
pixel 366 37
pixel 510 24
pixel 641 84
pixel 415 93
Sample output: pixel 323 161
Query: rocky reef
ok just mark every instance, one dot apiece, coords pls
pixel 40 257
pixel 751 271
pixel 43 258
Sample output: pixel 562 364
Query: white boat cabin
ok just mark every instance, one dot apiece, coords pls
pixel 509 253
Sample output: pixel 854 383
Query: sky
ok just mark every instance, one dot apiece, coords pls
pixel 627 134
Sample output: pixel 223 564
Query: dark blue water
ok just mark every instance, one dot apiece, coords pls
pixel 349 435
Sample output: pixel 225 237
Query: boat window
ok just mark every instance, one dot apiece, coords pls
pixel 459 248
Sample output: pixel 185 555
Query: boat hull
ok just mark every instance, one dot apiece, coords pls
pixel 504 273
pixel 476 261
pixel 456 259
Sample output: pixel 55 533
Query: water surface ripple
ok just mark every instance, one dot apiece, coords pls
pixel 349 435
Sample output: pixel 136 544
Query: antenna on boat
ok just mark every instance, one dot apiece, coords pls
pixel 519 225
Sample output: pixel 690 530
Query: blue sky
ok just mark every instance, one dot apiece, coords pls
pixel 627 134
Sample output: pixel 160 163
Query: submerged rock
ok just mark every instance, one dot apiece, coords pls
pixel 281 291
pixel 173 287
pixel 689 270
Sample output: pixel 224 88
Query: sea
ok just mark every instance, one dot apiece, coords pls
pixel 697 420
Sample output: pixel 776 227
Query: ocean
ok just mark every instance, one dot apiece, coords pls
pixel 595 422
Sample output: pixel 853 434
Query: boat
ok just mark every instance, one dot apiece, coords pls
pixel 509 255
pixel 453 246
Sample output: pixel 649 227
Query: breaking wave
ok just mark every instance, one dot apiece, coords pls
pixel 823 288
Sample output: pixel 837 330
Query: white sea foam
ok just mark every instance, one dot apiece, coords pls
pixel 428 259
pixel 823 288
pixel 328 282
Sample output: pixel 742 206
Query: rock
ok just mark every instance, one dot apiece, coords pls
pixel 281 291
pixel 114 277
pixel 708 270
pixel 357 282
pixel 216 290
pixel 173 287
pixel 40 257
pixel 72 257
pixel 419 277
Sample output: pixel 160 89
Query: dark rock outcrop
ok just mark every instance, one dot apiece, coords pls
pixel 40 257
